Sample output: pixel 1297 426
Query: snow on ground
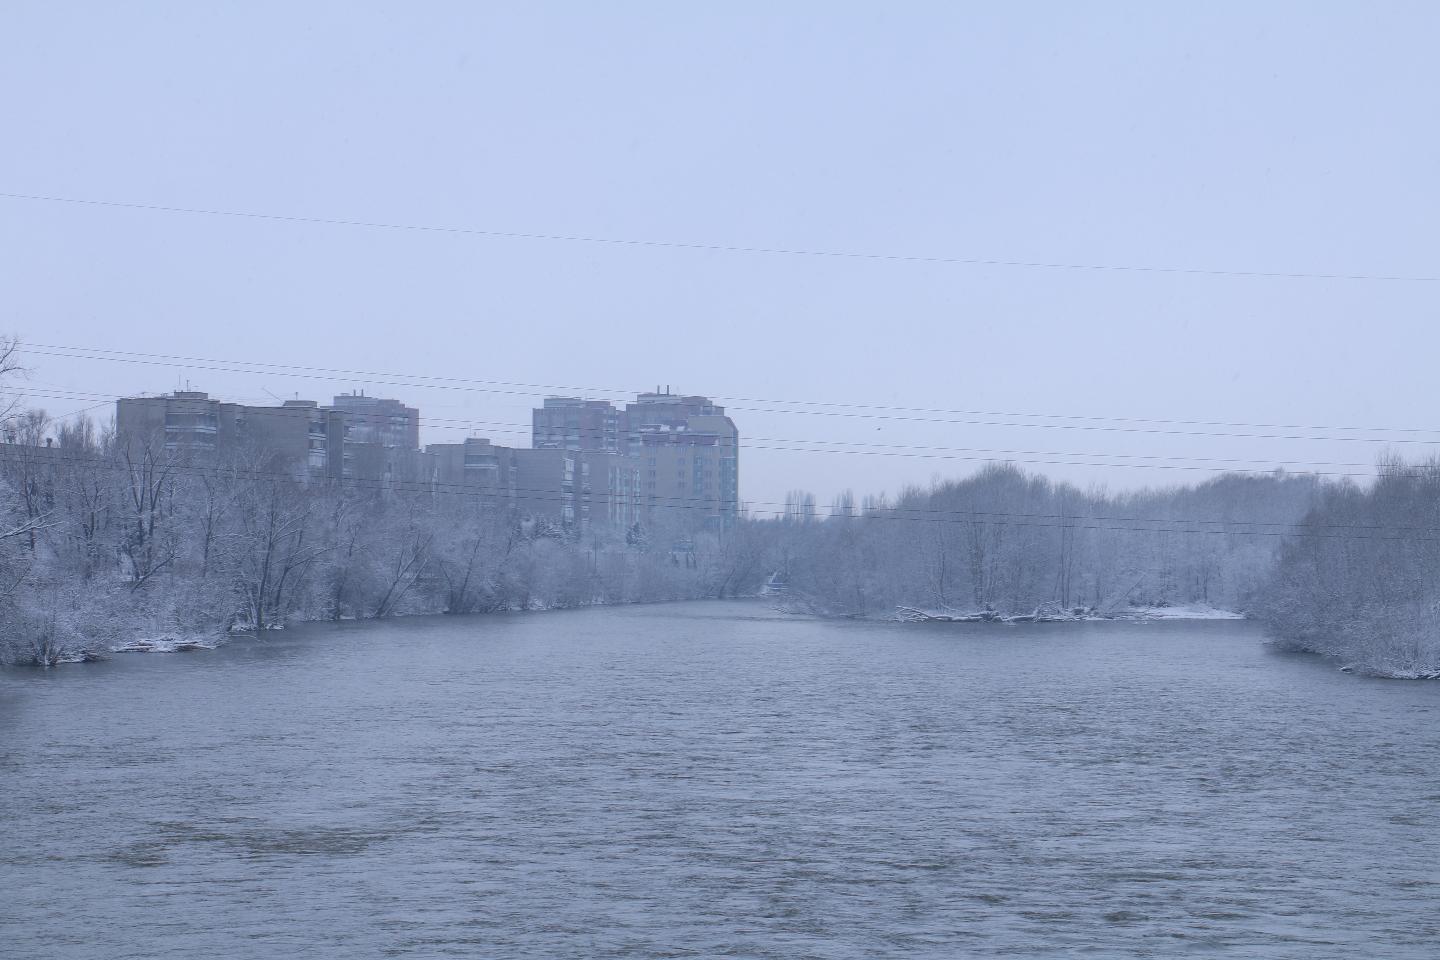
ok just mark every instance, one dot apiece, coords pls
pixel 1193 611
pixel 1390 673
pixel 1196 611
pixel 165 645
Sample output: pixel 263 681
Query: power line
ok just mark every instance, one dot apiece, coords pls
pixel 261 369
pixel 721 247
pixel 536 389
pixel 843 446
pixel 467 425
pixel 901 514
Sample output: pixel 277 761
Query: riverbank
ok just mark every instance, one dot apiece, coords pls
pixel 195 641
pixel 1186 612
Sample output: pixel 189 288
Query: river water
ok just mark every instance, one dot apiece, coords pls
pixel 708 780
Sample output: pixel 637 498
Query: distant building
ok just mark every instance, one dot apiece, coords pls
pixel 548 483
pixel 688 453
pixel 569 423
pixel 611 489
pixel 683 454
pixel 368 439
pixel 664 410
pixel 186 421
pixel 575 487
pixel 379 420
pixel 474 467
pixel 665 457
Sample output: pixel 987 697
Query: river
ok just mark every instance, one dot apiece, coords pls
pixel 717 780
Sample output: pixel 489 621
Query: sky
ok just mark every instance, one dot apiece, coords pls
pixel 1204 143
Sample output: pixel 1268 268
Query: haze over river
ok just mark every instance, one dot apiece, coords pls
pixel 714 779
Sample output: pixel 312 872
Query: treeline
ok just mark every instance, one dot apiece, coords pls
pixel 102 542
pixel 1363 582
pixel 1010 542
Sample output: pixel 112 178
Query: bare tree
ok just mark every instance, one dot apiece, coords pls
pixel 10 370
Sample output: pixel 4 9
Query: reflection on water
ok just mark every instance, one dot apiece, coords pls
pixel 712 780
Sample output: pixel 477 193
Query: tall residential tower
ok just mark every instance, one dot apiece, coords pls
pixel 684 450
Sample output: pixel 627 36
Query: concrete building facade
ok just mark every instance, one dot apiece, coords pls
pixel 663 458
pixel 683 453
pixel 474 467
pixel 570 423
pixel 374 440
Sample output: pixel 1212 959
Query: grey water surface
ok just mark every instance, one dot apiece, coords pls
pixel 717 780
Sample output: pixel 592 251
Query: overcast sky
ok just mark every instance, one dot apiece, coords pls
pixel 1296 138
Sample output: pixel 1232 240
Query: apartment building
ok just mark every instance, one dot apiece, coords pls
pixel 474 467
pixel 611 484
pixel 185 422
pixel 380 420
pixel 570 423
pixel 683 453
pixel 551 483
pixel 367 439
pixel 664 458
pixel 296 437
pixel 579 487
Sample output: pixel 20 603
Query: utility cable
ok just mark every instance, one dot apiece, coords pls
pixel 721 247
